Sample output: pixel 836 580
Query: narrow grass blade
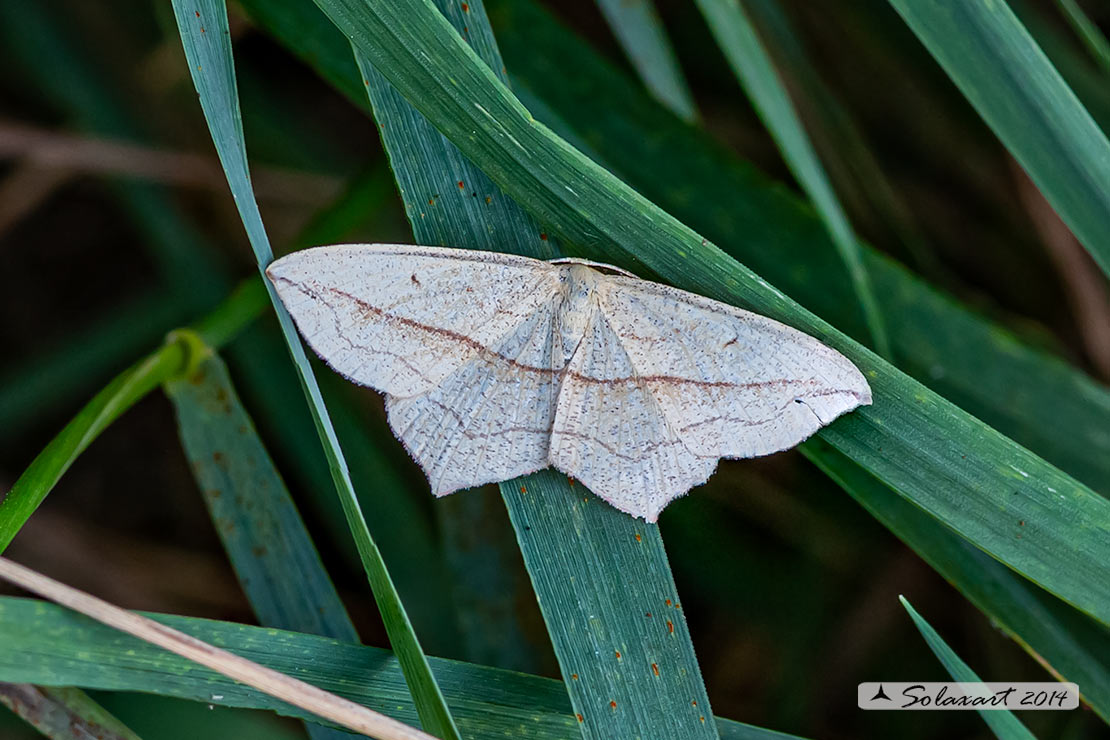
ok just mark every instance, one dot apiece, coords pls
pixel 952 465
pixel 1087 31
pixel 45 644
pixel 175 356
pixel 739 41
pixel 263 533
pixel 119 395
pixel 321 703
pixel 265 539
pixel 626 674
pixel 1088 82
pixel 1001 721
pixel 641 34
pixel 998 66
pixel 1070 645
pixel 846 147
pixel 204 33
pixel 613 612
pixel 62 713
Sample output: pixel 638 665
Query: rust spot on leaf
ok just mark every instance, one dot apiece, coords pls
pixel 670 626
pixel 618 652
pixel 647 614
pixel 639 538
pixel 543 236
pixel 612 705
pixel 580 718
pixel 523 490
pixel 574 676
pixel 465 8
pixel 668 602
pixel 655 668
pixel 462 186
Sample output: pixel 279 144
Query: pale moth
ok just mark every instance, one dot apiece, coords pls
pixel 494 366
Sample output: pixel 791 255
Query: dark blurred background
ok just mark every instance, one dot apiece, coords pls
pixel 116 225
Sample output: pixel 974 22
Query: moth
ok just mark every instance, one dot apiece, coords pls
pixel 494 366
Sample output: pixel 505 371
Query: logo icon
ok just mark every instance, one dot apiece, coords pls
pixel 880 694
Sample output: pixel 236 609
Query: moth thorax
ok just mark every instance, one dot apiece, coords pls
pixel 577 305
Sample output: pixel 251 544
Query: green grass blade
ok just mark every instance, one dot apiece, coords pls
pixel 752 64
pixel 63 713
pixel 267 542
pixel 1001 721
pixel 625 672
pixel 997 65
pixel 613 612
pixel 1086 29
pixel 204 33
pixel 49 645
pixel 852 163
pixel 48 466
pixel 1088 82
pixel 640 32
pixel 957 468
pixel 1070 644
pixel 263 533
pixel 173 357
